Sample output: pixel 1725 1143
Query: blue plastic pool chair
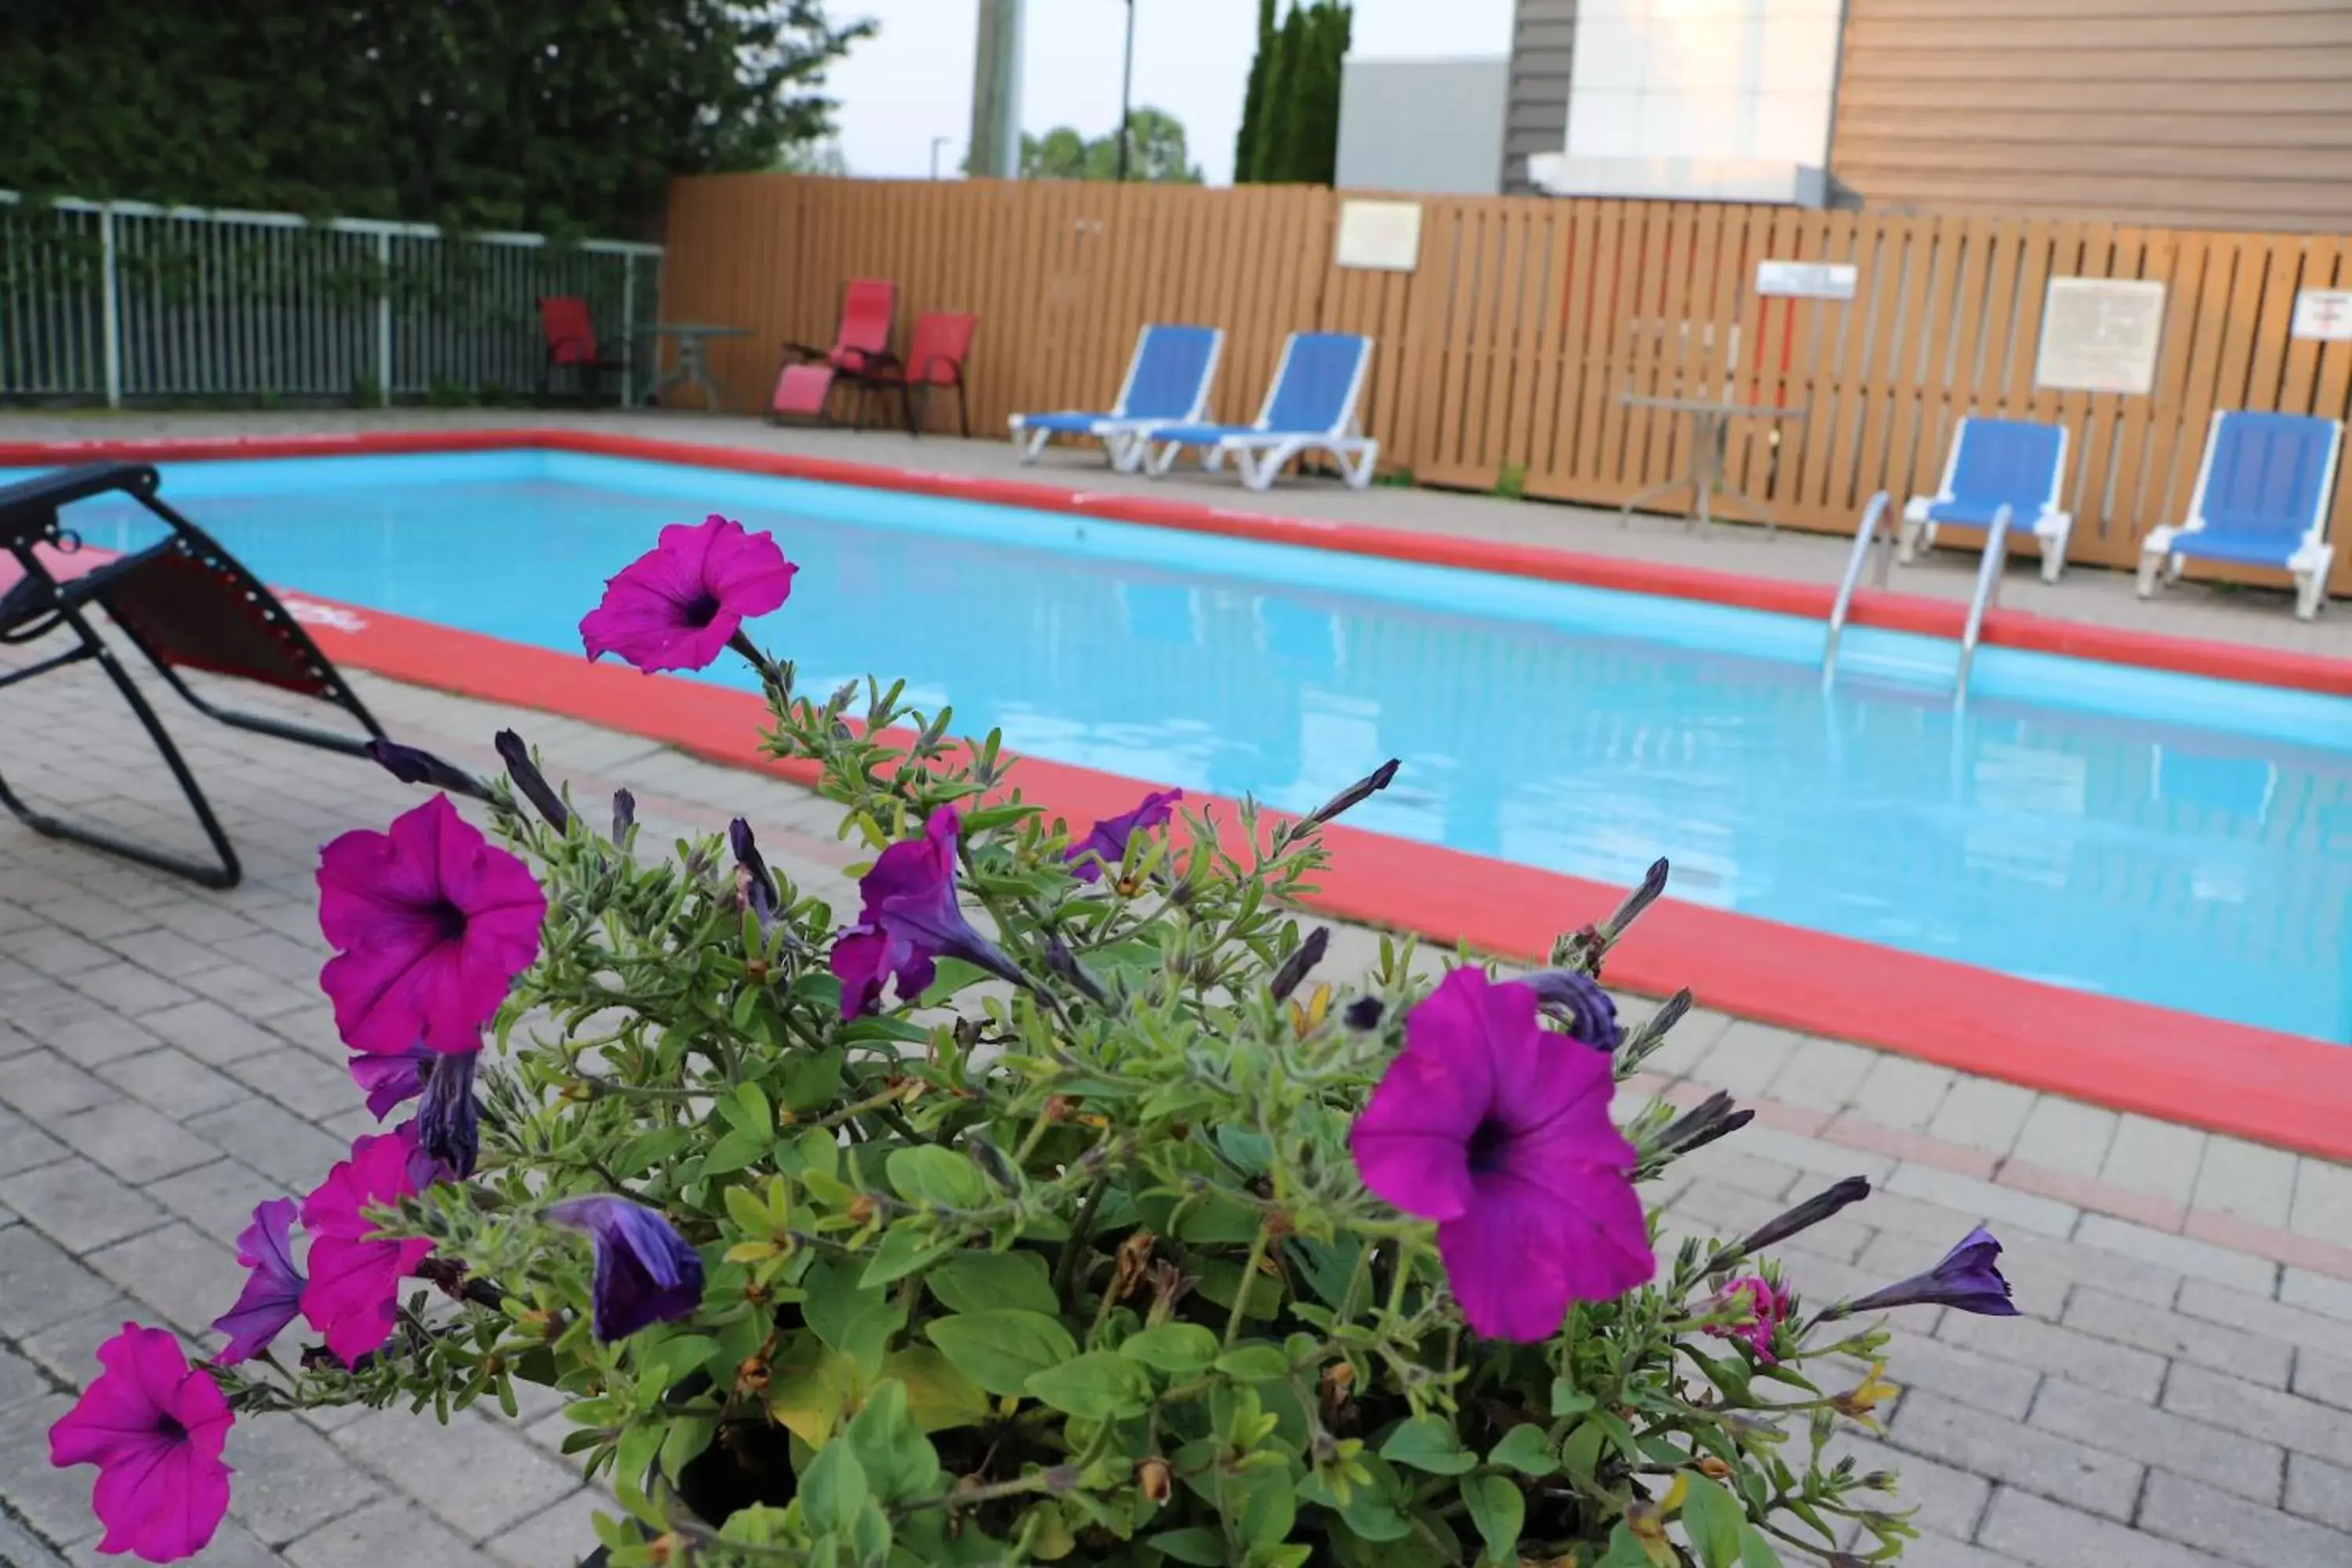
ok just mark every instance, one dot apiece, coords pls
pixel 1311 407
pixel 1993 463
pixel 1168 382
pixel 2262 499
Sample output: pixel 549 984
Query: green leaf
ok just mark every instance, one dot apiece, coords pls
pixel 1582 1452
pixel 834 1490
pixel 671 1361
pixel 688 1436
pixel 898 1460
pixel 1754 1552
pixel 1429 1443
pixel 749 1215
pixel 1566 1399
pixel 639 1447
pixel 904 1249
pixel 1198 1545
pixel 1499 1510
pixel 1374 1510
pixel 813 1078
pixel 984 1281
pixel 1001 1349
pixel 1527 1450
pixel 927 1173
pixel 953 975
pixel 939 1396
pixel 1624 1549
pixel 1217 1218
pixel 845 1313
pixel 1101 1385
pixel 1255 1361
pixel 746 1111
pixel 1172 1347
pixel 1714 1520
pixel 1220 1281
pixel 742 1148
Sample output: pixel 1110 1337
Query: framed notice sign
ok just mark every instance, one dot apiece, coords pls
pixel 1382 235
pixel 2100 334
pixel 1805 279
pixel 2324 314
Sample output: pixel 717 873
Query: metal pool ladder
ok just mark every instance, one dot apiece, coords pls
pixel 1875 531
pixel 1996 555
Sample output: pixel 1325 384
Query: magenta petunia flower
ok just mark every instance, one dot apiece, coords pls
pixel 1106 843
pixel 1765 1307
pixel 910 922
pixel 355 1280
pixel 154 1426
pixel 389 1076
pixel 432 923
pixel 1499 1130
pixel 677 605
pixel 272 1296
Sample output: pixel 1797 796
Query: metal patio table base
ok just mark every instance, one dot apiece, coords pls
pixel 1703 470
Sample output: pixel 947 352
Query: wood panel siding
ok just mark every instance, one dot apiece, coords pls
pixel 2209 113
pixel 1543 49
pixel 1507 351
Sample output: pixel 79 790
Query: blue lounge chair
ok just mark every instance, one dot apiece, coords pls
pixel 2262 499
pixel 1994 463
pixel 1168 383
pixel 1311 407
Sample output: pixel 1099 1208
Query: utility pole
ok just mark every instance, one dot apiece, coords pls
pixel 1126 94
pixel 937 143
pixel 996 144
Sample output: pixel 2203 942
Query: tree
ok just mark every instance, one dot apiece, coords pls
pixel 1253 131
pixel 548 114
pixel 1156 151
pixel 824 158
pixel 1294 118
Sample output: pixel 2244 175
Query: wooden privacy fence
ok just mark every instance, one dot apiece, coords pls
pixel 1502 358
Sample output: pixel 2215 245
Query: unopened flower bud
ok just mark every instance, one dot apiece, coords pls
pixel 1713 1468
pixel 1356 794
pixel 531 782
pixel 1303 958
pixel 1134 1258
pixel 861 1209
pixel 1152 1479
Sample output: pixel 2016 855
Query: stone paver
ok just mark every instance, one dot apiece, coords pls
pixel 168 1063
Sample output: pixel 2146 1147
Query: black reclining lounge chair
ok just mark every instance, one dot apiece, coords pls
pixel 186 604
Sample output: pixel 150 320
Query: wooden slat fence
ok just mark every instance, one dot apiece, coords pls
pixel 1507 353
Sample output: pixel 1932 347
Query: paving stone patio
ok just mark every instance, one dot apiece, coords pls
pixel 2179 1390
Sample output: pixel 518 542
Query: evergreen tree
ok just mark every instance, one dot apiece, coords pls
pixel 1252 133
pixel 1315 157
pixel 1277 157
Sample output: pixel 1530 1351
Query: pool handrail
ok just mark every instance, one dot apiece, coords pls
pixel 1987 589
pixel 1873 530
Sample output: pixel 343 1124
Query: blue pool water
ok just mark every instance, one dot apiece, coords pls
pixel 2164 838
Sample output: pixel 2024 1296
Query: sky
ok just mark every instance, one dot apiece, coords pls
pixel 912 81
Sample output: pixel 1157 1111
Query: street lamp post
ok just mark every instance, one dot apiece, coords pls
pixel 1125 91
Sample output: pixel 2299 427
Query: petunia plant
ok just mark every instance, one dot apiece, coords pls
pixel 1052 1204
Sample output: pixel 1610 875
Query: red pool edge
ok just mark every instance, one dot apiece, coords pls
pixel 2273 1087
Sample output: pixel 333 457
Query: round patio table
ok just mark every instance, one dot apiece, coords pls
pixel 690 338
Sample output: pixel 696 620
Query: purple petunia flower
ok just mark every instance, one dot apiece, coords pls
pixel 646 1273
pixel 1578 1001
pixel 910 920
pixel 154 1426
pixel 389 1076
pixel 677 605
pixel 411 765
pixel 1969 1278
pixel 447 1120
pixel 1499 1130
pixel 530 782
pixel 1106 843
pixel 753 880
pixel 272 1296
pixel 432 923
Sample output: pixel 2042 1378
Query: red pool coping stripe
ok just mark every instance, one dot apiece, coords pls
pixel 1892 611
pixel 2273 1087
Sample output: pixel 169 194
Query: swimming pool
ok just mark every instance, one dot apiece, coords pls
pixel 2157 838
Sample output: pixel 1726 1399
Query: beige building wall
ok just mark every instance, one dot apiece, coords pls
pixel 2203 113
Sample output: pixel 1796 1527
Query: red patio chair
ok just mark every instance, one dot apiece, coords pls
pixel 571 335
pixel 185 603
pixel 936 358
pixel 805 380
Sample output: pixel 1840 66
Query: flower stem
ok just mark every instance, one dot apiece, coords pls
pixel 1249 1282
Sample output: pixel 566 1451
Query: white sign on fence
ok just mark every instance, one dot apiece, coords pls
pixel 2100 334
pixel 1805 279
pixel 2324 314
pixel 1382 235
